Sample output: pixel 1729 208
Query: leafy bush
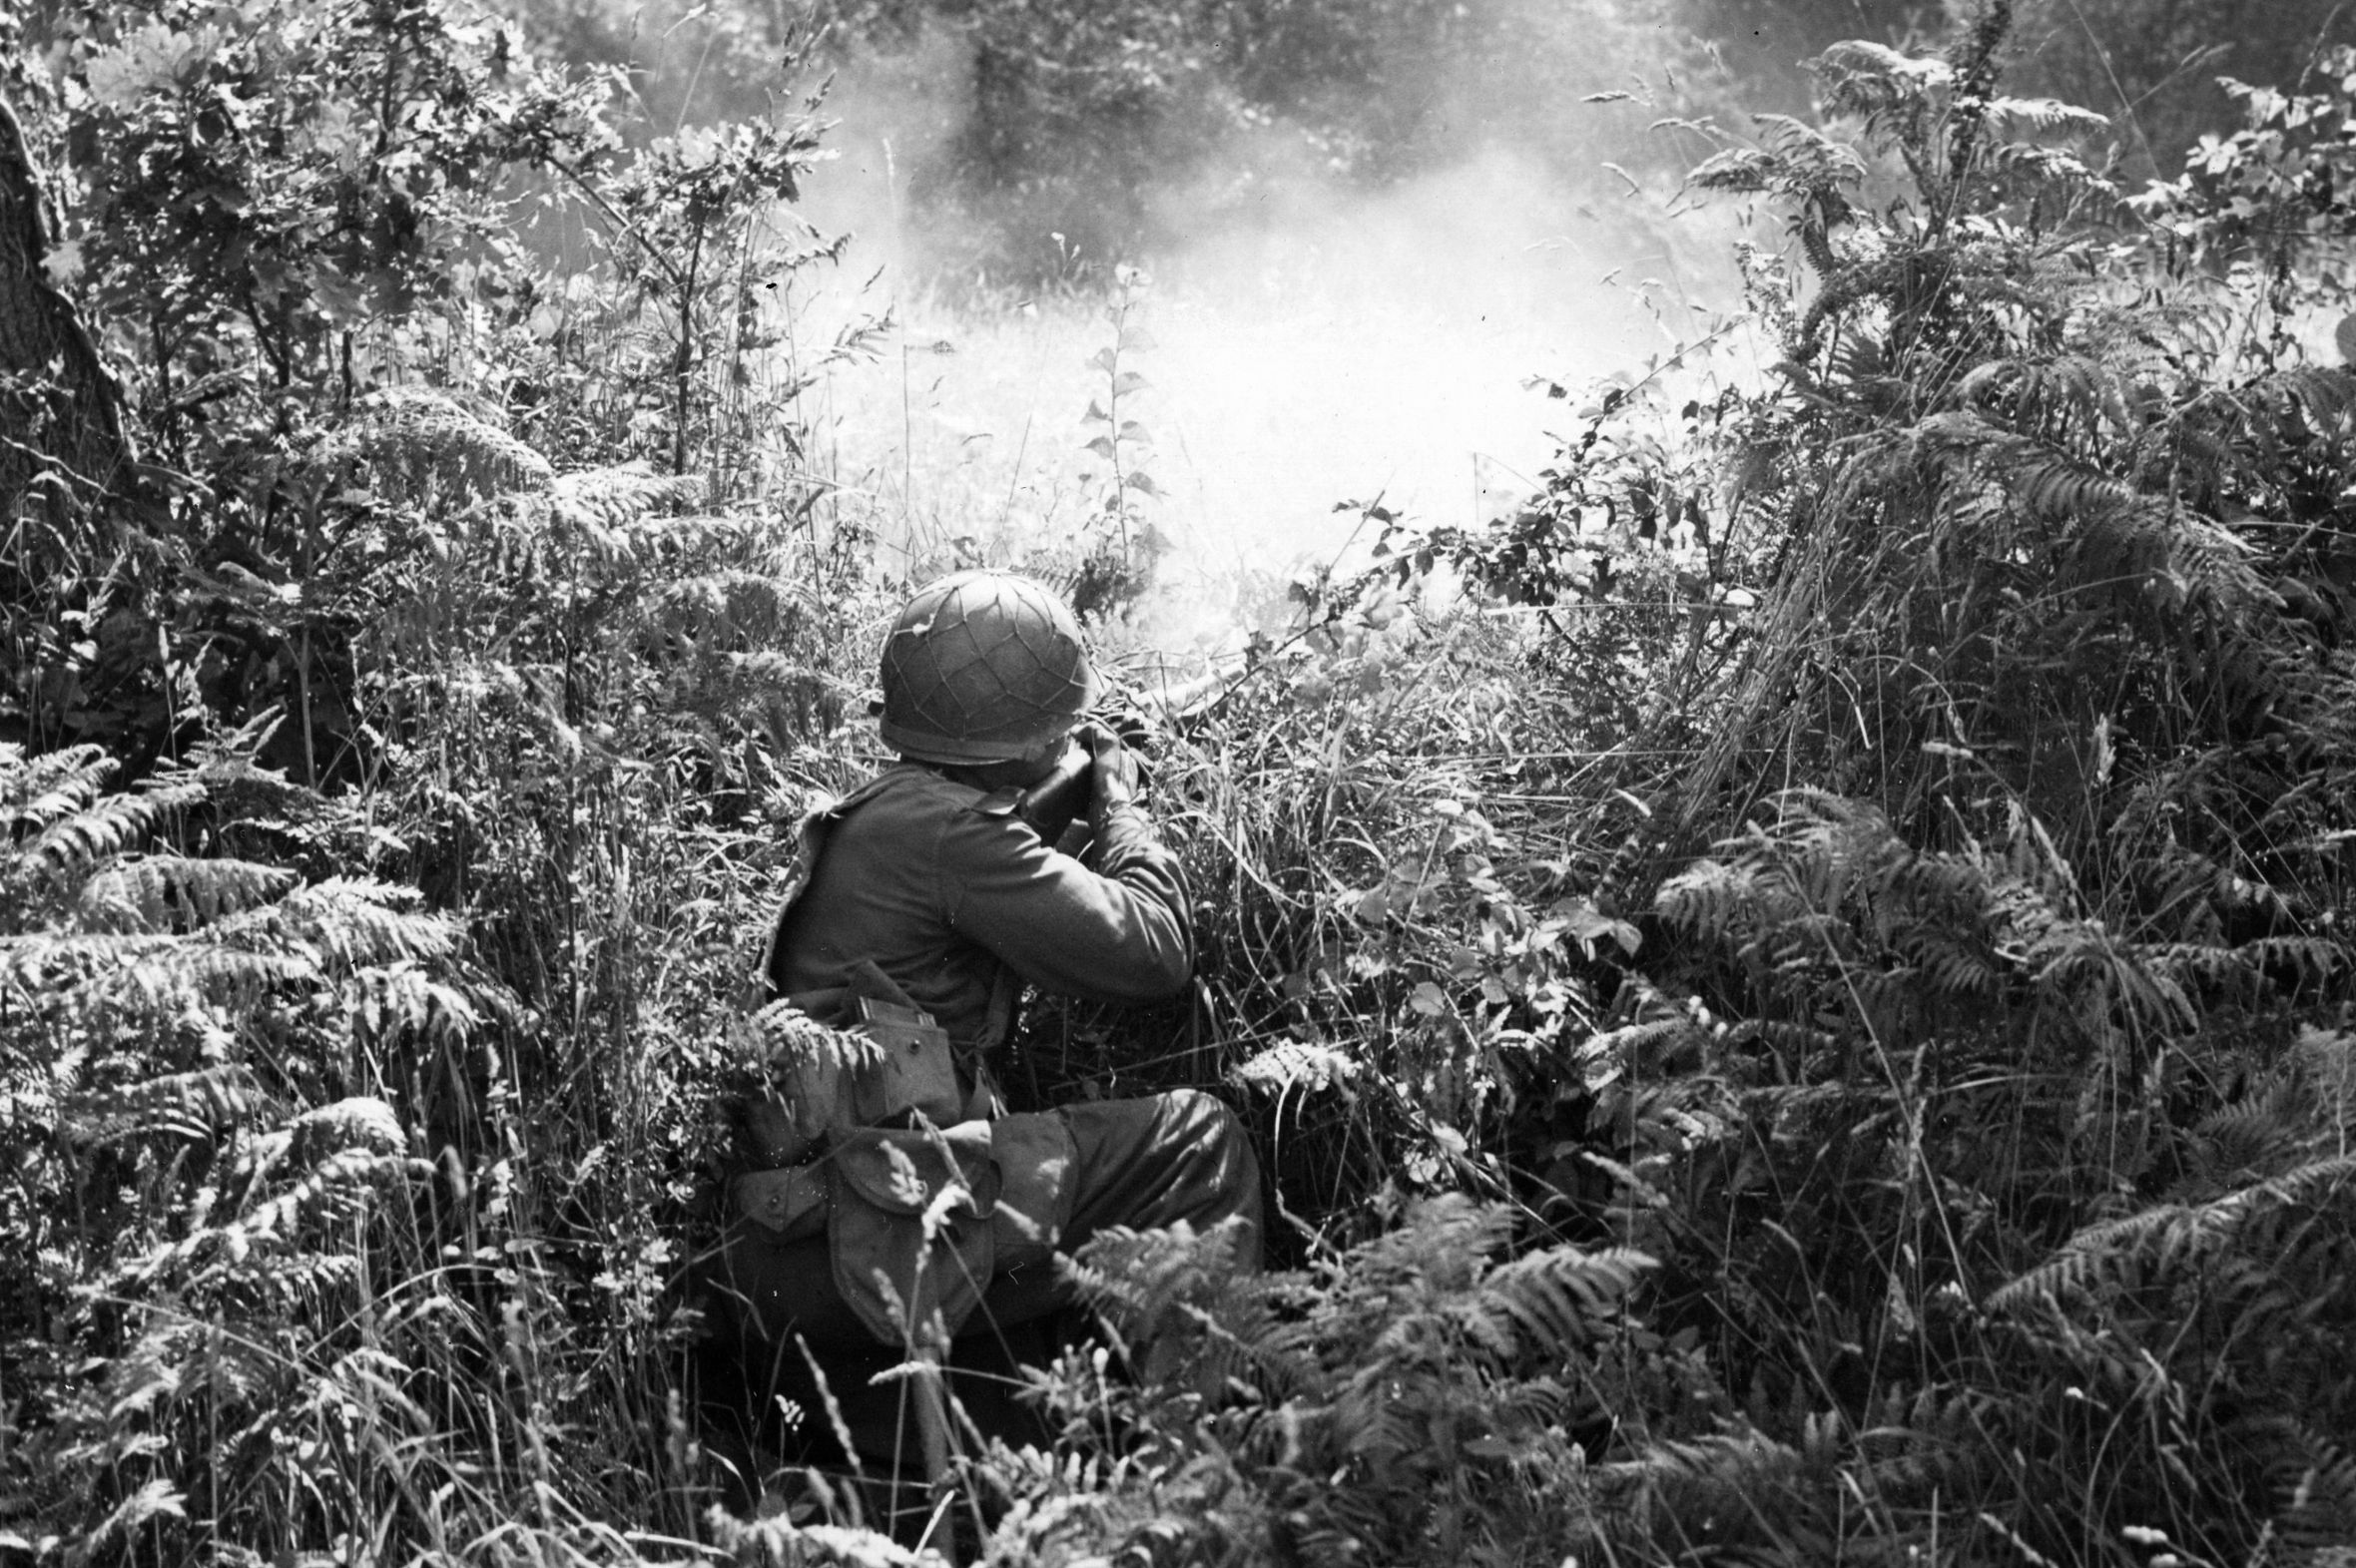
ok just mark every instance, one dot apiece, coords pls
pixel 199 1050
pixel 1413 1397
pixel 356 1139
pixel 1908 1104
pixel 1793 992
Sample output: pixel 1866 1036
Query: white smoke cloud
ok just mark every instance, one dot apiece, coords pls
pixel 1314 343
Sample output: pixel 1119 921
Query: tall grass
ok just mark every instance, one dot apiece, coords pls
pixel 1790 992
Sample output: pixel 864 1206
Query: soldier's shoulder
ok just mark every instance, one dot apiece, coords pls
pixel 918 788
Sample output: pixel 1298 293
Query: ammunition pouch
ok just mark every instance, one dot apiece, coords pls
pixel 918 1219
pixel 910 1232
pixel 791 1202
pixel 909 1074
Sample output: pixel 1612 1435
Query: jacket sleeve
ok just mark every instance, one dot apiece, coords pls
pixel 1117 933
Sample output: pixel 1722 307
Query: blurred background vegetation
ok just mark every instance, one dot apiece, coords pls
pixel 1125 127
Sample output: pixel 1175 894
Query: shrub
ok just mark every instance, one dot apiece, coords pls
pixel 1796 1016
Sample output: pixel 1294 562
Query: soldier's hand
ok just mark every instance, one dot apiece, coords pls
pixel 1116 774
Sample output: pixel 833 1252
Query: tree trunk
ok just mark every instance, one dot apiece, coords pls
pixel 71 501
pixel 62 442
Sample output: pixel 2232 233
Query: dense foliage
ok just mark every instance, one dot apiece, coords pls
pixel 1794 994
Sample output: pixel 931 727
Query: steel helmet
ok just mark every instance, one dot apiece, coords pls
pixel 982 667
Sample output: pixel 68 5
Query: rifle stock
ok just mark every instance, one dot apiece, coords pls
pixel 1051 804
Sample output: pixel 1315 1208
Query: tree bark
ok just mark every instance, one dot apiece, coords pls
pixel 62 444
pixel 72 497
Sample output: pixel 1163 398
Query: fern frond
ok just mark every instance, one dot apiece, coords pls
pixel 1799 160
pixel 71 847
pixel 153 974
pixel 2316 1511
pixel 335 926
pixel 165 893
pixel 176 974
pixel 38 792
pixel 344 1152
pixel 644 541
pixel 2046 114
pixel 1732 1467
pixel 2311 958
pixel 1810 159
pixel 420 446
pixel 2310 1185
pixel 2326 1064
pixel 355 1122
pixel 613 498
pixel 1954 969
pixel 1179 1292
pixel 1370 1425
pixel 293 1279
pixel 775 671
pixel 1445 1243
pixel 1737 170
pixel 2252 1137
pixel 782 1039
pixel 332 1192
pixel 1707 898
pixel 2049 167
pixel 2172 1236
pixel 2053 400
pixel 1795 1040
pixel 197 1105
pixel 740 603
pixel 1559 1300
pixel 154 1498
pixel 778 1539
pixel 2052 485
pixel 405 1001
pixel 1860 64
pixel 344 923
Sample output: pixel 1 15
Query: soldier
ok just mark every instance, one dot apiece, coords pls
pixel 901 1210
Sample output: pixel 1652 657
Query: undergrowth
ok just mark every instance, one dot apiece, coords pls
pixel 1793 994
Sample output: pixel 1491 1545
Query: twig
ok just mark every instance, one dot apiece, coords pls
pixel 621 225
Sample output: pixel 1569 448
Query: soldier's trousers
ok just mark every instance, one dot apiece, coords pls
pixel 1137 1163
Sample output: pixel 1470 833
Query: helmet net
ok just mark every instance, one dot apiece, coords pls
pixel 982 667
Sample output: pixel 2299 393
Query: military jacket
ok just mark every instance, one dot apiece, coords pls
pixel 959 902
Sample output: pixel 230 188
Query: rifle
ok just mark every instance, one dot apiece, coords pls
pixel 1055 801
